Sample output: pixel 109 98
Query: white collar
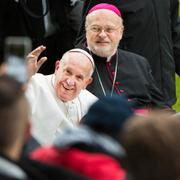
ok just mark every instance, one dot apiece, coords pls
pixel 108 58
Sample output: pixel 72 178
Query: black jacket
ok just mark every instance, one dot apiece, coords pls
pixel 152 30
pixel 15 21
pixel 134 79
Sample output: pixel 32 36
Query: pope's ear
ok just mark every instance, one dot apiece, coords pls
pixel 89 81
pixel 57 64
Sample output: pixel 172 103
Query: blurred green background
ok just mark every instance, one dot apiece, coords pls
pixel 177 105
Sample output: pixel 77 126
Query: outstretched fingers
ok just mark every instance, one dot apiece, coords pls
pixel 38 51
pixel 33 61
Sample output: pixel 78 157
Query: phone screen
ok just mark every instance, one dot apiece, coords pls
pixel 16 50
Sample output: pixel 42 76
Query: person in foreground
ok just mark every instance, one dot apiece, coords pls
pixel 14 131
pixel 59 100
pixel 117 71
pixel 152 146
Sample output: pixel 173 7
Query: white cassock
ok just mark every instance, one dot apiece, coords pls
pixel 50 115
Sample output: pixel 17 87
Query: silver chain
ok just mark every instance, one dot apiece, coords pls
pixel 114 80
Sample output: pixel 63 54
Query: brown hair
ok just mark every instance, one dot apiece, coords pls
pixel 13 112
pixel 153 147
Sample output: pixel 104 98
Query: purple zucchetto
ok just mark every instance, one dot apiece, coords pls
pixel 105 6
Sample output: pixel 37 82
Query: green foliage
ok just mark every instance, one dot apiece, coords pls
pixel 177 105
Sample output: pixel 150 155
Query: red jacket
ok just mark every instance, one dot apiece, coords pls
pixel 96 166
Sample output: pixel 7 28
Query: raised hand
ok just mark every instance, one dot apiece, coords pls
pixel 33 61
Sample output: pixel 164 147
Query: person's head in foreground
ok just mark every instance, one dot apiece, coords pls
pixel 14 125
pixel 108 115
pixel 104 29
pixel 73 73
pixel 152 146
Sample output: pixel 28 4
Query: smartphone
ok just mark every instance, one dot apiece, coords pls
pixel 16 50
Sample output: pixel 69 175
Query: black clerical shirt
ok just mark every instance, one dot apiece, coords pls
pixel 133 79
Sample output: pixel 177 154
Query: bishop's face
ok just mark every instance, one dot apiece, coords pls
pixel 104 30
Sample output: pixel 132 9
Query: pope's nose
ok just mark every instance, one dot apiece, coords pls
pixel 70 82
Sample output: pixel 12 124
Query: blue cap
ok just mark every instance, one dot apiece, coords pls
pixel 108 114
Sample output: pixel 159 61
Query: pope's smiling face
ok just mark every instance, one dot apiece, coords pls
pixel 72 74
